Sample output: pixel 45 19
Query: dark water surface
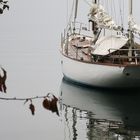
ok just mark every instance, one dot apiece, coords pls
pixel 99 114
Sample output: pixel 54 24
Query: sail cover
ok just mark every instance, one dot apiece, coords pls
pixel 103 20
pixel 106 45
pixel 135 28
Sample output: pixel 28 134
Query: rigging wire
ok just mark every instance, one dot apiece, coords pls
pixel 107 5
pixel 88 3
pixel 121 14
pixel 67 11
pixel 103 3
pixel 114 7
pixel 71 14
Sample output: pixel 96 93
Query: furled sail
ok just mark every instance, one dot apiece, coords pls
pixel 108 44
pixel 102 19
pixel 135 28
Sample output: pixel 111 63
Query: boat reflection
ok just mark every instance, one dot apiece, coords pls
pixel 99 114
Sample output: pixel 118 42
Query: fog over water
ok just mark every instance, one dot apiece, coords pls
pixel 29 51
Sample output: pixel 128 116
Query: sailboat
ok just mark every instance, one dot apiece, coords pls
pixel 103 53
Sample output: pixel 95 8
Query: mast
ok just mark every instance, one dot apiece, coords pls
pixel 94 25
pixel 130 31
pixel 76 7
pixel 130 8
pixel 95 29
pixel 75 14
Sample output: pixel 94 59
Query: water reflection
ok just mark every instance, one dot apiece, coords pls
pixel 99 114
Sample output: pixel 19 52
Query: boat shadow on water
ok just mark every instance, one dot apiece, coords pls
pixel 100 113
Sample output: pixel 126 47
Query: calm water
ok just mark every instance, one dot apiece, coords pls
pixel 84 113
pixel 97 114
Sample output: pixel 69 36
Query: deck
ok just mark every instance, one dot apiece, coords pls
pixel 79 48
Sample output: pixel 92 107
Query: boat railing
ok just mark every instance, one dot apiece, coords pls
pixel 122 55
pixel 76 28
pixel 123 49
pixel 136 52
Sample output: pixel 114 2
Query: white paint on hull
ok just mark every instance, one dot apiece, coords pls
pixel 101 75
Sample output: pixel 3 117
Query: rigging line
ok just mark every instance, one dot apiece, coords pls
pixel 89 4
pixel 111 9
pixel 107 6
pixel 123 12
pixel 114 11
pixel 103 2
pixel 67 11
pixel 71 12
pixel 120 7
pixel 70 18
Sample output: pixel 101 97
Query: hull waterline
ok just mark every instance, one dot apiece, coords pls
pixel 99 75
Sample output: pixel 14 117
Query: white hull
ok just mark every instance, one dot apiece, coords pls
pixel 101 75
